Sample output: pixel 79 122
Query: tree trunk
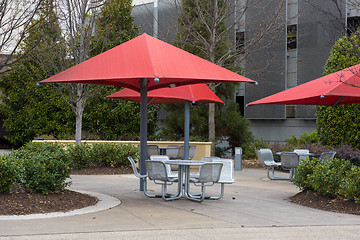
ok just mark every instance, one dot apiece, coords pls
pixel 78 127
pixel 80 104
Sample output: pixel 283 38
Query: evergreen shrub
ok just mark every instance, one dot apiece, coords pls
pixel 331 178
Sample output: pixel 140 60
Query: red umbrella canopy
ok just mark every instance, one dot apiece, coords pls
pixel 342 87
pixel 146 57
pixel 194 93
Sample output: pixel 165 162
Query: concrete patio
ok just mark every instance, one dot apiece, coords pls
pixel 252 208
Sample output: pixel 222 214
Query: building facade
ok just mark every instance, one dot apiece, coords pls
pixel 282 43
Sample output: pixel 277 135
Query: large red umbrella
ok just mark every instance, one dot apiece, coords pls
pixel 193 93
pixel 183 94
pixel 145 63
pixel 146 57
pixel 342 87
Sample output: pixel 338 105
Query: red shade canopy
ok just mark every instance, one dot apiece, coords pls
pixel 194 93
pixel 146 57
pixel 342 87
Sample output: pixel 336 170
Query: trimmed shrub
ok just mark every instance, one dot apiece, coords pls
pixel 40 167
pixel 7 173
pixel 79 155
pixel 303 173
pixel 350 186
pixel 331 178
pixel 328 176
pixel 45 171
pixel 111 154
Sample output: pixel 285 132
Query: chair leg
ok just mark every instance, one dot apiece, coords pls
pixel 168 197
pixel 147 193
pixel 219 196
pixel 274 177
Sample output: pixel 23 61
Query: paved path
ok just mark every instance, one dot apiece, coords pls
pixel 252 208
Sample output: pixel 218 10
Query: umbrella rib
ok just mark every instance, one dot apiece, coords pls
pixel 337 101
pixel 151 100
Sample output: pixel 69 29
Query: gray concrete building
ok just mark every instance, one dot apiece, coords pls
pixel 284 43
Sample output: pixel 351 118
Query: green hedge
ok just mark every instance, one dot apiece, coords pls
pixel 7 173
pixel 332 178
pixel 101 154
pixel 45 167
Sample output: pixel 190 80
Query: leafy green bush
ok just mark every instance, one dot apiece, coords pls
pixel 331 178
pixel 305 138
pixel 111 154
pixel 328 175
pixel 7 173
pixel 350 186
pixel 40 167
pixel 249 150
pixel 45 171
pixel 79 155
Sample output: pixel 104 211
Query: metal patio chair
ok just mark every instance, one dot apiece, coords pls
pixel 290 161
pixel 209 175
pixel 300 152
pixel 172 151
pixel 152 150
pixel 157 172
pixel 265 157
pixel 327 155
pixel 168 167
pixel 144 177
pixel 226 175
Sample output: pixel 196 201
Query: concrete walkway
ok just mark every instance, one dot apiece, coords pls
pixel 252 208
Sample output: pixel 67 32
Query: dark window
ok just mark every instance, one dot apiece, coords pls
pixel 290 111
pixel 240 42
pixel 291 37
pixel 353 23
pixel 241 101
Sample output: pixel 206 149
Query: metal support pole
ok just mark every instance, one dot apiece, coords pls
pixel 156 19
pixel 143 128
pixel 186 130
pixel 238 158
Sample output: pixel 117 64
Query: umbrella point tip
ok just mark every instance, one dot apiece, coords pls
pixel 156 80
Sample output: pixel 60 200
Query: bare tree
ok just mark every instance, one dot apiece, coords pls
pixel 212 34
pixel 339 14
pixel 77 20
pixel 15 22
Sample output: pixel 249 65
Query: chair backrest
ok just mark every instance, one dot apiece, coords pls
pixel 180 153
pixel 210 172
pixel 153 150
pixel 156 170
pixel 289 159
pixel 327 155
pixel 210 159
pixel 265 156
pixel 302 151
pixel 172 151
pixel 133 165
pixel 260 157
pixel 227 171
pixel 162 158
pixel 192 151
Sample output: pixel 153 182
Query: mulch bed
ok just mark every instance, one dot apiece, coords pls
pixel 103 171
pixel 315 200
pixel 20 203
